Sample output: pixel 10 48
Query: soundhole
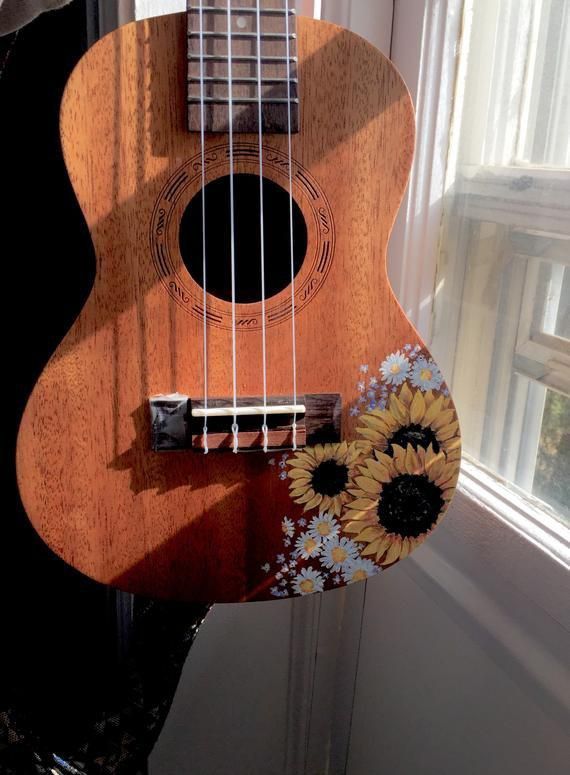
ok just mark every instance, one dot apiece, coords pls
pixel 247 220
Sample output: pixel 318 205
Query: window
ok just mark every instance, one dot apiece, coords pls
pixel 502 291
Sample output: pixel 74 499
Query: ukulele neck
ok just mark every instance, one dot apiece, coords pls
pixel 233 72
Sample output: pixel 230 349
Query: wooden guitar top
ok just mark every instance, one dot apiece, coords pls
pixel 222 526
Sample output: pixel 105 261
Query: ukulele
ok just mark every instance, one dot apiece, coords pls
pixel 242 410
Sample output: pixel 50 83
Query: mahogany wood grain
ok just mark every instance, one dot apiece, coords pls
pixel 181 524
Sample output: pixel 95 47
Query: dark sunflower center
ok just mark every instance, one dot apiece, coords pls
pixel 330 478
pixel 410 505
pixel 416 435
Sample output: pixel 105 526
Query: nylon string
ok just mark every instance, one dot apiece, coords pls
pixel 204 294
pixel 292 255
pixel 261 230
pixel 235 428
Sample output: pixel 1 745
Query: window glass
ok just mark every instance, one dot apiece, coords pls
pixel 502 306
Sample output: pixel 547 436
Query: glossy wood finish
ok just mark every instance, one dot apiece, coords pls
pixel 181 524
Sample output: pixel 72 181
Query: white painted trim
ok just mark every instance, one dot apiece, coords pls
pixel 528 516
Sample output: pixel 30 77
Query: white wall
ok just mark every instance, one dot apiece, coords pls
pixel 459 672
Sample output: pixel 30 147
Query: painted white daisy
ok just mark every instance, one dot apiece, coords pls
pixel 285 569
pixel 280 559
pixel 359 569
pixel 395 368
pixel 337 579
pixel 337 552
pixel 361 386
pixel 364 368
pixel 302 522
pixel 307 545
pixel 426 375
pixel 373 382
pixel 266 567
pixel 308 581
pixel 275 591
pixel 288 527
pixel 292 563
pixel 287 541
pixel 323 526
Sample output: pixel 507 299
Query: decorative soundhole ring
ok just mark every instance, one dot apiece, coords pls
pixel 185 183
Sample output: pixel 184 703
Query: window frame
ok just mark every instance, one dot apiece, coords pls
pixel 428 56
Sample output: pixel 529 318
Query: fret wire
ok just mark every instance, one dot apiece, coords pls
pixel 244 35
pixel 244 100
pixel 244 80
pixel 240 58
pixel 240 11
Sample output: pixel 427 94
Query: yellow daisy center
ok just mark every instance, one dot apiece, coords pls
pixel 323 529
pixel 395 368
pixel 310 545
pixel 307 585
pixel 359 575
pixel 426 374
pixel 339 554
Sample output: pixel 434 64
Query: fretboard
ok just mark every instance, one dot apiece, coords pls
pixel 214 76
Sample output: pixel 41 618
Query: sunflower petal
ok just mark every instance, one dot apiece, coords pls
pixel 405 550
pixel 406 395
pixel 307 496
pixel 393 552
pixel 399 410
pixel 297 473
pixel 313 502
pixel 448 432
pixel 319 453
pixel 298 491
pixel 367 484
pixel 412 463
pixel 378 470
pixel 442 420
pixel 305 465
pixel 417 408
pixel 362 504
pixel 435 466
pixel 354 451
pixel 370 533
pixel 386 542
pixel 376 421
pixel 371 548
pixel 399 458
pixel 374 436
pixel 352 528
pixel 433 411
pixel 301 481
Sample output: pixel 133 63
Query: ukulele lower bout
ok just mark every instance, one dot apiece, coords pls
pixel 110 458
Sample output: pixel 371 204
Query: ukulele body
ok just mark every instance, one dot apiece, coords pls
pixel 232 527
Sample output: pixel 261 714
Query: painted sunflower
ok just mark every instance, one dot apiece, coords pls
pixel 416 418
pixel 398 500
pixel 321 474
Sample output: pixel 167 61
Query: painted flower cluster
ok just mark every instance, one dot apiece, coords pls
pixel 408 365
pixel 368 503
pixel 320 557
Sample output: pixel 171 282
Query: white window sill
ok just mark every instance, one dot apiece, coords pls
pixel 507 536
